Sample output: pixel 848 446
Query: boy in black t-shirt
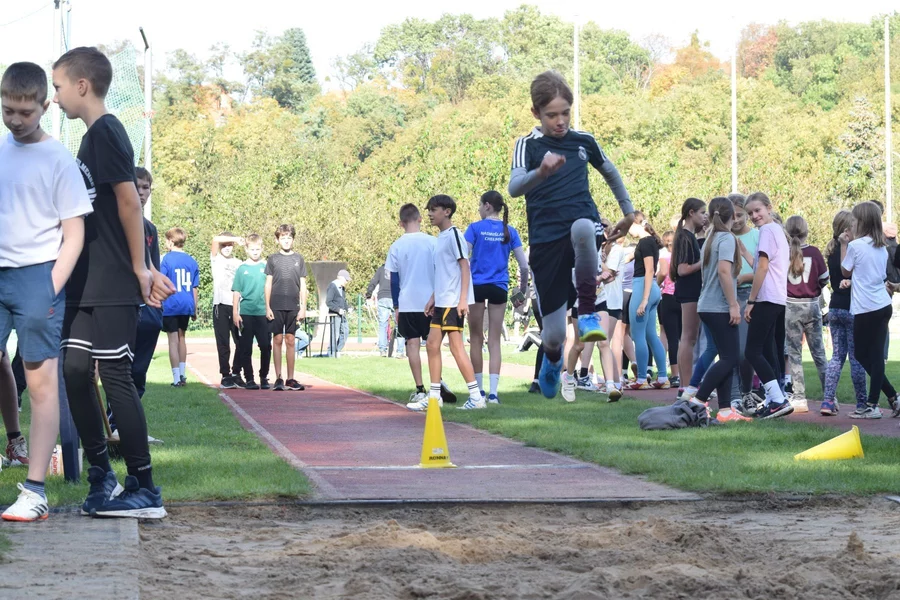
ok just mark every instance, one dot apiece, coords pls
pixel 103 296
pixel 285 302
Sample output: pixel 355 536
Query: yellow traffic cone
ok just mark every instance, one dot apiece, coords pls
pixel 435 452
pixel 846 445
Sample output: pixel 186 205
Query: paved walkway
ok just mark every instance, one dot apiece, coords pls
pixel 358 447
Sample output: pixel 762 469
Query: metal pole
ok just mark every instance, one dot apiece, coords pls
pixel 576 109
pixel 889 159
pixel 359 304
pixel 734 147
pixel 148 112
pixel 55 116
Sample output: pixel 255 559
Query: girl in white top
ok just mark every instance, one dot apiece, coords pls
pixel 864 258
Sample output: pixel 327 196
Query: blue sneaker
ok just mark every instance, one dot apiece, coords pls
pixel 104 486
pixel 589 329
pixel 493 399
pixel 548 378
pixel 135 502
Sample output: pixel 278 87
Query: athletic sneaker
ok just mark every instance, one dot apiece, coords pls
pixel 153 440
pixel 585 383
pixel 731 417
pixel 418 401
pixel 788 387
pixel 867 412
pixel 135 502
pixel 661 385
pixel 447 395
pixel 535 388
pixel 800 404
pixel 228 383
pixel 264 384
pixel 17 452
pixel 750 404
pixel 589 328
pixel 183 380
pixel 773 410
pixel 27 507
pixel 675 381
pixel 251 385
pixel 238 381
pixel 828 408
pixel 614 395
pixel 473 404
pixel 493 399
pixel 181 383
pixel 549 377
pixel 294 385
pixel 638 385
pixel 279 385
pixel 104 486
pixel 895 407
pixel 568 387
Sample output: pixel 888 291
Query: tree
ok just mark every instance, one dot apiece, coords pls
pixel 533 42
pixel 409 48
pixel 756 49
pixel 612 62
pixel 281 68
pixel 859 159
pixel 356 69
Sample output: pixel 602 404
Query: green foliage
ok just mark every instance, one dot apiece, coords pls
pixel 281 68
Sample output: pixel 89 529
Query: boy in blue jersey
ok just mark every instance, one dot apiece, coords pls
pixel 550 168
pixel 181 307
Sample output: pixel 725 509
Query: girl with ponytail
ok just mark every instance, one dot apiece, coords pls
pixel 491 240
pixel 807 277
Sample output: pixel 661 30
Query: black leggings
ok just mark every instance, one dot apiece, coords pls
pixel 778 349
pixel 761 348
pixel 540 351
pixel 869 332
pixel 728 342
pixel 223 327
pixel 670 319
pixel 258 327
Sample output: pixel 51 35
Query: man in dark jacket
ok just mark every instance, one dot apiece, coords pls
pixel 336 300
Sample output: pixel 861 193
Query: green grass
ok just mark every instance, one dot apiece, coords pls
pixel 739 458
pixel 207 454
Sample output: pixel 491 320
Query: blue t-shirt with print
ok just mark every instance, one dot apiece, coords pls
pixel 490 255
pixel 182 270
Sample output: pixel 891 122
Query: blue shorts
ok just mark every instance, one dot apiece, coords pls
pixel 29 305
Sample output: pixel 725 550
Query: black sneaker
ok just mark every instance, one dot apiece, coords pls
pixel 179 384
pixel 264 384
pixel 279 385
pixel 446 395
pixel 184 379
pixel 104 486
pixel 238 381
pixel 773 410
pixel 228 383
pixel 293 384
pixel 535 388
pixel 251 385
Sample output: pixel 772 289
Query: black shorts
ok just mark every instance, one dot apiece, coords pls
pixel 626 300
pixel 494 294
pixel 107 332
pixel 551 267
pixel 601 307
pixel 173 323
pixel 615 313
pixel 285 322
pixel 413 325
pixel 447 319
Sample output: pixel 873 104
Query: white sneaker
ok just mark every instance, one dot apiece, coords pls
pixel 800 405
pixel 28 507
pixel 153 440
pixel 419 402
pixel 473 404
pixel 568 387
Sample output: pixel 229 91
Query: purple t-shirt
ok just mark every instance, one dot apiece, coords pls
pixel 773 243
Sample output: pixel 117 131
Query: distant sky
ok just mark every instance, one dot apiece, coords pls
pixel 339 28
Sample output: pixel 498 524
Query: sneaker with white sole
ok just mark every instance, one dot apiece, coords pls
pixel 135 502
pixel 799 403
pixel 17 452
pixel 867 412
pixel 614 394
pixel 27 507
pixel 104 486
pixel 585 383
pixel 493 399
pixel 418 402
pixel 568 387
pixel 473 404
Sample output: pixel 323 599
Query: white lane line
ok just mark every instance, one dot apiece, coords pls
pixel 416 467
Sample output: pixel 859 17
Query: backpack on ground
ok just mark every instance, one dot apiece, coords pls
pixel 676 416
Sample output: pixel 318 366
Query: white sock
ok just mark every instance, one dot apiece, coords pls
pixel 610 384
pixel 690 389
pixel 662 379
pixel 435 391
pixel 619 386
pixel 495 382
pixel 474 391
pixel 479 379
pixel 773 392
pixel 176 374
pixel 182 367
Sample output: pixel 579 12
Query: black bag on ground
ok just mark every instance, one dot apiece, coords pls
pixel 677 416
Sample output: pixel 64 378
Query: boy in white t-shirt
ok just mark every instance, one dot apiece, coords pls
pixel 224 265
pixel 449 305
pixel 43 202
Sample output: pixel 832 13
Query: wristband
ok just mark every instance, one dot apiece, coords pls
pixel 751 301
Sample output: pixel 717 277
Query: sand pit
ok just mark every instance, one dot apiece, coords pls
pixel 690 550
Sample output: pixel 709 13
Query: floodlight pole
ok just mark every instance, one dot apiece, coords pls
pixel 148 109
pixel 734 145
pixel 576 112
pixel 888 148
pixel 55 50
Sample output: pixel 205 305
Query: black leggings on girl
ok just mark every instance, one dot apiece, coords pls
pixel 761 351
pixel 670 319
pixel 869 332
pixel 719 375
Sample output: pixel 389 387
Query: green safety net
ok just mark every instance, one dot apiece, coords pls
pixel 125 99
